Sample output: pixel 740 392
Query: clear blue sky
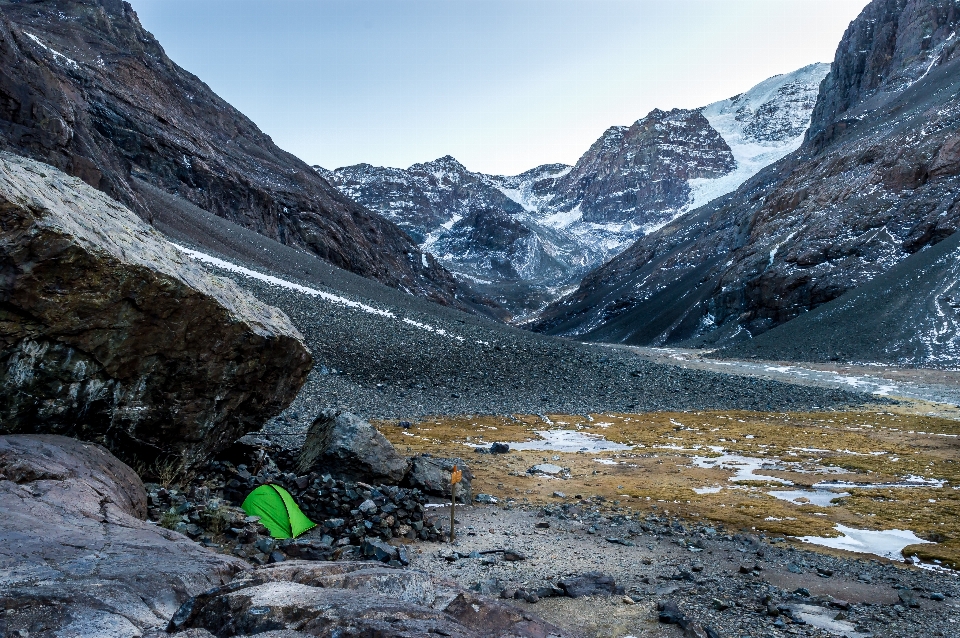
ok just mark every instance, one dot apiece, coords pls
pixel 502 85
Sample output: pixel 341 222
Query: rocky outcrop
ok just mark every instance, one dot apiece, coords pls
pixel 108 333
pixel 84 87
pixel 76 556
pixel 347 599
pixel 874 182
pixel 346 446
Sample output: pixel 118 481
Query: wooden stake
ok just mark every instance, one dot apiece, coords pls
pixel 453 505
pixel 455 477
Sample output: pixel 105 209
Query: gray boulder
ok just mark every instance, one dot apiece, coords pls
pixel 432 476
pixel 108 333
pixel 76 556
pixel 347 447
pixel 350 599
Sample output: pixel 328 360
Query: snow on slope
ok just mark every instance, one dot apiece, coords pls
pixel 761 126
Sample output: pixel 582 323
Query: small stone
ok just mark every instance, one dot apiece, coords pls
pixel 511 555
pixel 559 495
pixel 937 596
pixel 499 448
pixel 542 525
pixel 628 601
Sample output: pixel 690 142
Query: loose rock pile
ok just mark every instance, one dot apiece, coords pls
pixel 354 519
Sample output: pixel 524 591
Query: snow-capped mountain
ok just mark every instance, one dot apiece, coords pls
pixel 525 239
pixel 871 188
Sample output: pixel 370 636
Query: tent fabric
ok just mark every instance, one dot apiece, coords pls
pixel 278 511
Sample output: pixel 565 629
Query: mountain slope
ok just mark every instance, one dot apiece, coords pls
pixel 85 88
pixel 524 239
pixel 909 315
pixel 875 181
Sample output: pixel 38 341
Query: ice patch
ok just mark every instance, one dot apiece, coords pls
pixel 707 490
pixel 566 441
pixel 886 543
pixel 907 482
pixel 306 290
pixel 744 467
pixel 820 498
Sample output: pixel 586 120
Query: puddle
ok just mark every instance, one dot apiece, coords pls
pixel 566 441
pixel 744 466
pixel 886 543
pixel 820 498
pixel 907 482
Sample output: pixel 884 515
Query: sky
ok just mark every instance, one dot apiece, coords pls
pixel 502 85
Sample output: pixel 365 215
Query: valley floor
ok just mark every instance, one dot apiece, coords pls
pixel 716 510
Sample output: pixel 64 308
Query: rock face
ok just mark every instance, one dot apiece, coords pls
pixel 522 239
pixel 347 599
pixel 875 181
pixel 108 333
pixel 638 174
pixel 76 556
pixel 86 89
pixel 346 446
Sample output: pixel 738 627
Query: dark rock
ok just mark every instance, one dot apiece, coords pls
pixel 669 613
pixel 379 550
pixel 499 448
pixel 346 446
pixel 590 584
pixel 432 475
pixel 355 599
pixel 513 556
pixel 110 334
pixel 73 519
pixel 908 598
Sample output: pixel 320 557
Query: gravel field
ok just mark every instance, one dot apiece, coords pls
pixel 740 584
pixel 414 364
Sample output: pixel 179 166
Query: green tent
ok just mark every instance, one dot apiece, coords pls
pixel 277 511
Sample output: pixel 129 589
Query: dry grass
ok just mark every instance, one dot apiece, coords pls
pixel 652 475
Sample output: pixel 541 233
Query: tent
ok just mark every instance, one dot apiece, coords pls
pixel 277 511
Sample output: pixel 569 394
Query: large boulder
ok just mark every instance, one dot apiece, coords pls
pixel 76 556
pixel 108 333
pixel 348 599
pixel 346 446
pixel 431 475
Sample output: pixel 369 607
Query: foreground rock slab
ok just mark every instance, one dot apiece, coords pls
pixel 108 333
pixel 76 556
pixel 347 599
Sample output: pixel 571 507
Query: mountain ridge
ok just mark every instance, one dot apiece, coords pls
pixel 525 239
pixel 88 90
